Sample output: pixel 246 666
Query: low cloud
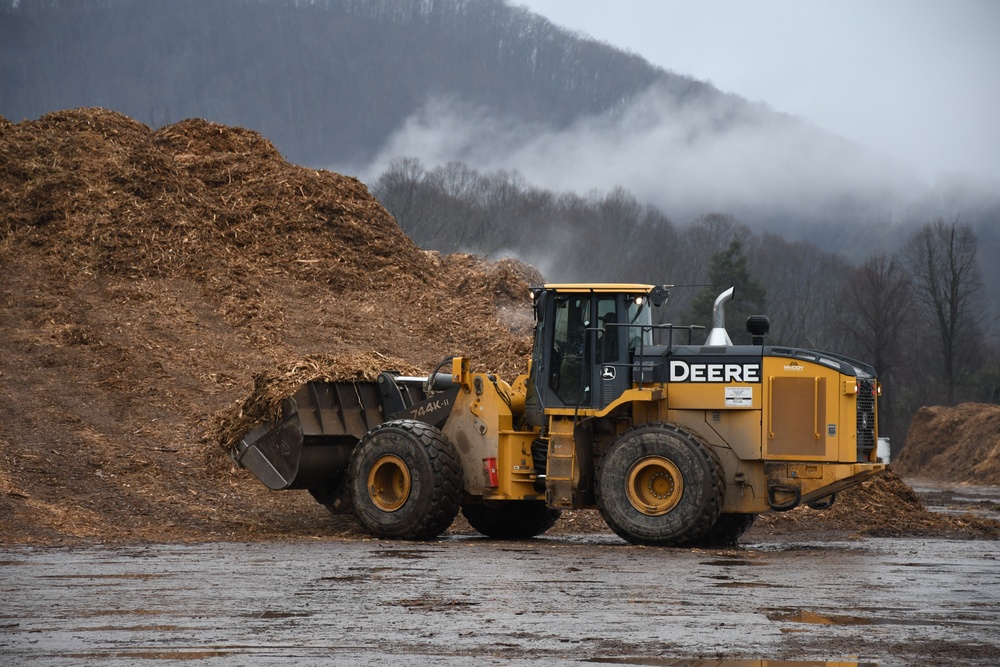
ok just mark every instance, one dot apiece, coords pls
pixel 707 154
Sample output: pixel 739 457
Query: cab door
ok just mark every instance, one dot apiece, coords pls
pixel 581 355
pixel 611 371
pixel 571 372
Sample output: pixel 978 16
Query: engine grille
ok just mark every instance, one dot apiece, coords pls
pixel 866 419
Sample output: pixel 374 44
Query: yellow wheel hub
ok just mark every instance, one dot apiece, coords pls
pixel 389 483
pixel 654 485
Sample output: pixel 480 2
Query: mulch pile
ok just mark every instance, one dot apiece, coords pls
pixel 159 286
pixel 884 506
pixel 149 280
pixel 955 444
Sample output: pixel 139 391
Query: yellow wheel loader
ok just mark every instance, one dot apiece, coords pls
pixel 675 443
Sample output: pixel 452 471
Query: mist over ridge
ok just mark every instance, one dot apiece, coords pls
pixel 710 154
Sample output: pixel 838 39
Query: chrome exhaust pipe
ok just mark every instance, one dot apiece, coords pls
pixel 718 335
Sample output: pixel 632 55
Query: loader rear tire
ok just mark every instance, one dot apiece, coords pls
pixel 510 519
pixel 659 485
pixel 406 481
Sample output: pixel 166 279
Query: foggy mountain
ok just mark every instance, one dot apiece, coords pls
pixel 351 84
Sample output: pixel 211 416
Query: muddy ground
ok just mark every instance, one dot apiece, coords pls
pixel 557 600
pixel 789 596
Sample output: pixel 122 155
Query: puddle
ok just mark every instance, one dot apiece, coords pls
pixel 406 554
pixel 714 662
pixel 806 616
pixel 958 499
pixel 744 584
pixel 734 562
pixel 815 618
pixel 199 654
pixel 806 547
pixel 96 613
pixel 436 605
pixel 143 576
pixel 281 614
pixel 346 579
pixel 134 628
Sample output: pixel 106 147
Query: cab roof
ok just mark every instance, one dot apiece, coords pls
pixel 630 288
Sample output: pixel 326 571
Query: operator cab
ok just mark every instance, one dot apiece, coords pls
pixel 585 339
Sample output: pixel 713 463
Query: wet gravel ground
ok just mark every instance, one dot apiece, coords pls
pixel 554 600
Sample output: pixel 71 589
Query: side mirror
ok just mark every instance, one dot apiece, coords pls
pixel 658 295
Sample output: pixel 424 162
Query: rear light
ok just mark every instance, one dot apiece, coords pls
pixel 490 472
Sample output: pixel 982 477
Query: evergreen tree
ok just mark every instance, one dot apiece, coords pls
pixel 729 269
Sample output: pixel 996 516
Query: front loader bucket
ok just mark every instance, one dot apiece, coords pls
pixel 273 454
pixel 310 444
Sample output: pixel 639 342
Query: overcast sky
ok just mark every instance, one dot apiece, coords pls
pixel 918 80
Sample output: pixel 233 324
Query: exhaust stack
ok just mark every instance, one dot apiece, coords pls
pixel 718 335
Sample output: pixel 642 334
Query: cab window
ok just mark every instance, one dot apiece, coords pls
pixel 570 369
pixel 640 322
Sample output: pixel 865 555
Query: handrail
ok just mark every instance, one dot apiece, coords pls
pixel 816 434
pixel 770 406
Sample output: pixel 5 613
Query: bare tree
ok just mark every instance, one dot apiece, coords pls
pixel 620 214
pixel 942 261
pixel 801 281
pixel 652 251
pixel 402 190
pixel 874 310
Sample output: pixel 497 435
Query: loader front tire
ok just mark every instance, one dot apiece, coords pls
pixel 406 481
pixel 510 519
pixel 659 485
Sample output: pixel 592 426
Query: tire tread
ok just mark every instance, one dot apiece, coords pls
pixel 445 485
pixel 713 507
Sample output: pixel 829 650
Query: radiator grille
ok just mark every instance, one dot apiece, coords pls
pixel 866 419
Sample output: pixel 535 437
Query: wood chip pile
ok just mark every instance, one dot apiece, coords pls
pixel 158 286
pixel 956 444
pixel 105 194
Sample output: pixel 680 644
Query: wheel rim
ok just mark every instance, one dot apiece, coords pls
pixel 389 483
pixel 654 485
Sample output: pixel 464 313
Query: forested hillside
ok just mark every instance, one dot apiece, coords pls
pixel 327 81
pixel 920 314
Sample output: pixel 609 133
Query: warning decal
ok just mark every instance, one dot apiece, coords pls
pixel 739 397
